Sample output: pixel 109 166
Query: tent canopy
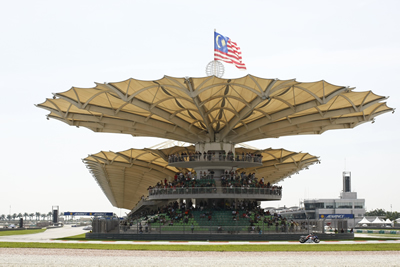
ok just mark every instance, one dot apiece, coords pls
pixel 378 221
pixel 364 221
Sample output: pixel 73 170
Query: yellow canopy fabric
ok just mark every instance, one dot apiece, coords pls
pixel 215 109
pixel 125 176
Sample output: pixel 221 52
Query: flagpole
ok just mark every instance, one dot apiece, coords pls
pixel 215 30
pixel 215 65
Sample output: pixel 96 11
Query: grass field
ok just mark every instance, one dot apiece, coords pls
pixel 383 236
pixel 21 232
pixel 74 237
pixel 245 248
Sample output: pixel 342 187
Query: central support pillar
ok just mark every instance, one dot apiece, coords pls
pixel 218 151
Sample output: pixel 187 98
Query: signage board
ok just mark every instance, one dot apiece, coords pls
pixel 336 216
pixel 89 213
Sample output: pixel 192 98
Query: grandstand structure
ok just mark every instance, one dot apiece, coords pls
pixel 206 168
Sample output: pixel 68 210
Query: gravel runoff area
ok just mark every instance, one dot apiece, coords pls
pixel 78 257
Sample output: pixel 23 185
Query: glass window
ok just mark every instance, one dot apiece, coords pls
pixel 358 205
pixel 344 205
pixel 329 205
pixel 309 206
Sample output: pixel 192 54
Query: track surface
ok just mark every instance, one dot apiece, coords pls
pixel 68 257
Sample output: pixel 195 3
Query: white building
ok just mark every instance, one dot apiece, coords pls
pixel 346 208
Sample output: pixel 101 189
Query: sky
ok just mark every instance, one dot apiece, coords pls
pixel 50 46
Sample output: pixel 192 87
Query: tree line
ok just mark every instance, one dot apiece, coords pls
pixel 37 216
pixel 381 212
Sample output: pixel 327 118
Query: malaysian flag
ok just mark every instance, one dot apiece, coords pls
pixel 227 51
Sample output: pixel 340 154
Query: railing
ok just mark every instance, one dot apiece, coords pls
pixel 212 158
pixel 214 190
pixel 211 228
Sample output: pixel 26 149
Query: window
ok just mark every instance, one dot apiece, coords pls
pixel 313 206
pixel 309 206
pixel 358 205
pixel 329 205
pixel 344 205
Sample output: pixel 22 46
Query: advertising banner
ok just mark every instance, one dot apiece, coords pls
pixel 88 213
pixel 336 216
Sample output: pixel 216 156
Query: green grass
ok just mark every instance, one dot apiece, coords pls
pixel 378 229
pixel 21 232
pixel 74 237
pixel 382 236
pixel 245 248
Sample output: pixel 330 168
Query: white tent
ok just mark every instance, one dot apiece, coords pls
pixel 378 221
pixel 364 221
pixel 398 220
pixel 389 222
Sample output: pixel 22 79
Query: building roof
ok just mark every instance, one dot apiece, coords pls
pixel 215 109
pixel 125 176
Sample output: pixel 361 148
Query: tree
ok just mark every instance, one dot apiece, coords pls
pixel 392 215
pixel 9 217
pixel 381 212
pixel 43 216
pixel 19 215
pixel 31 215
pixel 3 217
pixel 14 216
pixel 25 215
pixel 37 214
pixel 376 212
pixel 49 215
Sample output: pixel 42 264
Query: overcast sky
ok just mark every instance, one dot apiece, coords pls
pixel 49 46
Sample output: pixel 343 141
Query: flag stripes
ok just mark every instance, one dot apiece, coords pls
pixel 234 55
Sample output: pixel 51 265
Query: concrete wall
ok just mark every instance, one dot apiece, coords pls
pixel 214 237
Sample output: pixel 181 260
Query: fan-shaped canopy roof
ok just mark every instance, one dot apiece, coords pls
pixel 215 109
pixel 125 176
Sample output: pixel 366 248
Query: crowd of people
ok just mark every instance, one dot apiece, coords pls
pixel 253 215
pixel 182 181
pixel 230 179
pixel 242 211
pixel 169 214
pixel 213 156
pixel 244 181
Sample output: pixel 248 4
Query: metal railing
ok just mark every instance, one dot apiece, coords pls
pixel 214 190
pixel 212 228
pixel 227 158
